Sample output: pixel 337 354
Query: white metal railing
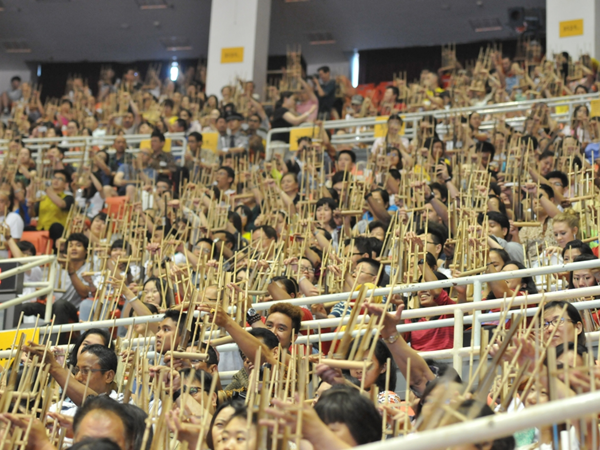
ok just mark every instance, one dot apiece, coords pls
pixel 47 287
pixel 413 119
pixel 78 145
pixel 486 429
pixel 457 353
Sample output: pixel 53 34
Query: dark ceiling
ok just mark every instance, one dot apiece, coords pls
pixel 118 30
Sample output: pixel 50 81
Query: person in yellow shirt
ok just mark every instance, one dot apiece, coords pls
pixel 53 208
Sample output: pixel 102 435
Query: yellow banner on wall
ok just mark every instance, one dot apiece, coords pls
pixel 595 108
pixel 210 141
pixel 570 28
pixel 8 337
pixel 232 55
pixel 297 133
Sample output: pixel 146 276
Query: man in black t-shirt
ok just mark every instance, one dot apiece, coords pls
pixel 325 91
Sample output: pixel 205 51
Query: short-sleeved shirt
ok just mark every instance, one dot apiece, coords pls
pixel 326 101
pixel 279 122
pixel 70 295
pixel 436 338
pixel 16 225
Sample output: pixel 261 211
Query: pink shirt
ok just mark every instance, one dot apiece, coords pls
pixel 303 107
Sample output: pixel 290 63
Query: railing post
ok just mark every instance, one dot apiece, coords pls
pixel 50 295
pixel 457 361
pixel 476 323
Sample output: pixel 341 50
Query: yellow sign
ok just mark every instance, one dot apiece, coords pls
pixel 7 338
pixel 210 141
pixel 570 28
pixel 595 108
pixel 232 55
pixel 381 126
pixel 297 133
pixel 562 109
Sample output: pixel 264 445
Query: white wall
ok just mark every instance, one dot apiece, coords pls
pixel 238 23
pixel 563 10
pixel 6 75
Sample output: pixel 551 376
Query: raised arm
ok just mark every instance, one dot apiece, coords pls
pixel 247 343
pixel 420 373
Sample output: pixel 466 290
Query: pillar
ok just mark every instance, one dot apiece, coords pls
pixel 573 26
pixel 238 43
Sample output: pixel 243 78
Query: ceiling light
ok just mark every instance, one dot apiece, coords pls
pixel 484 25
pixel 16 47
pixel 175 43
pixel 318 38
pixel 152 4
pixel 174 71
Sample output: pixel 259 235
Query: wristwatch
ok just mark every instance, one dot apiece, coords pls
pixel 393 338
pixel 252 316
pixel 431 197
pixel 448 179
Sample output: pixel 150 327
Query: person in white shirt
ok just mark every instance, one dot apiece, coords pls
pixel 94 375
pixel 11 219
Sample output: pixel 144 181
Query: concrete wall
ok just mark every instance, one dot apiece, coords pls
pixel 565 10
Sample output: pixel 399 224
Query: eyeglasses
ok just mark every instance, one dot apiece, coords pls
pixel 306 269
pixel 555 322
pixel 354 274
pixel 59 178
pixel 85 371
pixel 192 390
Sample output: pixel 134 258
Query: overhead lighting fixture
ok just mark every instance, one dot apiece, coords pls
pixel 317 38
pixel 152 4
pixel 174 71
pixel 484 25
pixel 16 47
pixel 355 68
pixel 175 43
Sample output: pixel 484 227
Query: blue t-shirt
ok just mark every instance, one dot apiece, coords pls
pixel 369 217
pixel 592 152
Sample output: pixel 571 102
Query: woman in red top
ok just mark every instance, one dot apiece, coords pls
pixel 501 288
pixel 435 338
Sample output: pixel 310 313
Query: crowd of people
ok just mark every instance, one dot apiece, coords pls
pixel 191 246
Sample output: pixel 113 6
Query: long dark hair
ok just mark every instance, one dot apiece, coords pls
pixel 72 359
pixel 582 257
pixel 527 283
pixel 12 199
pixel 163 288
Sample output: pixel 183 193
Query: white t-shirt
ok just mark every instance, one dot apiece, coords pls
pixel 16 225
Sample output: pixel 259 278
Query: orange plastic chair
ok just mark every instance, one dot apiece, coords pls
pixel 41 241
pixel 115 207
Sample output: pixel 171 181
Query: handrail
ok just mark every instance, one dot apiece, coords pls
pixel 497 108
pixel 69 142
pixel 433 311
pixel 452 282
pixel 489 428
